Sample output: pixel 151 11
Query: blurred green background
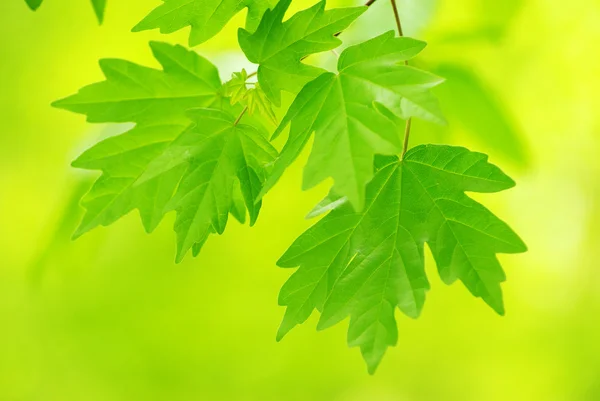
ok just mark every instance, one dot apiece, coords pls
pixel 111 317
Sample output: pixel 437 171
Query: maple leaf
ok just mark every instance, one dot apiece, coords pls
pixel 206 17
pixel 253 98
pixel 133 93
pixel 219 152
pixel 157 101
pixel 356 114
pixel 257 101
pixel 365 264
pixel 98 5
pixel 122 159
pixel 236 88
pixel 278 47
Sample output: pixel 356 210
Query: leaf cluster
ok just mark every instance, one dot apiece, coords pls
pixel 202 148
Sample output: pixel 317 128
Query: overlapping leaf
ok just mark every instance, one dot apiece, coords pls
pixel 356 114
pixel 219 152
pixel 193 150
pixel 236 88
pixel 157 101
pixel 253 98
pixel 122 159
pixel 98 5
pixel 133 93
pixel 206 17
pixel 278 47
pixel 365 264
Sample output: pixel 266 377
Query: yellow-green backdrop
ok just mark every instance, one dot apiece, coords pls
pixel 110 317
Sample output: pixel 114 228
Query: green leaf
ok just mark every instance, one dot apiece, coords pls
pixel 133 93
pixel 236 88
pixel 99 7
pixel 157 101
pixel 356 114
pixel 34 4
pixel 365 264
pixel 218 153
pixel 238 208
pixel 122 160
pixel 254 98
pixel 257 101
pixel 206 17
pixel 278 47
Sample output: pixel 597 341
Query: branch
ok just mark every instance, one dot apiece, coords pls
pixel 397 16
pixel 409 121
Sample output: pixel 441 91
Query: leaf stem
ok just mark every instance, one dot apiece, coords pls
pixel 409 121
pixel 240 116
pixel 406 137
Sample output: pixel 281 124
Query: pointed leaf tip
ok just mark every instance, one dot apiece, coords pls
pixel 280 335
pixel 99 8
pixel 61 103
pixel 287 324
pixel 281 61
pixel 79 232
pixel 200 15
pixel 34 4
pixel 179 257
pixel 372 368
